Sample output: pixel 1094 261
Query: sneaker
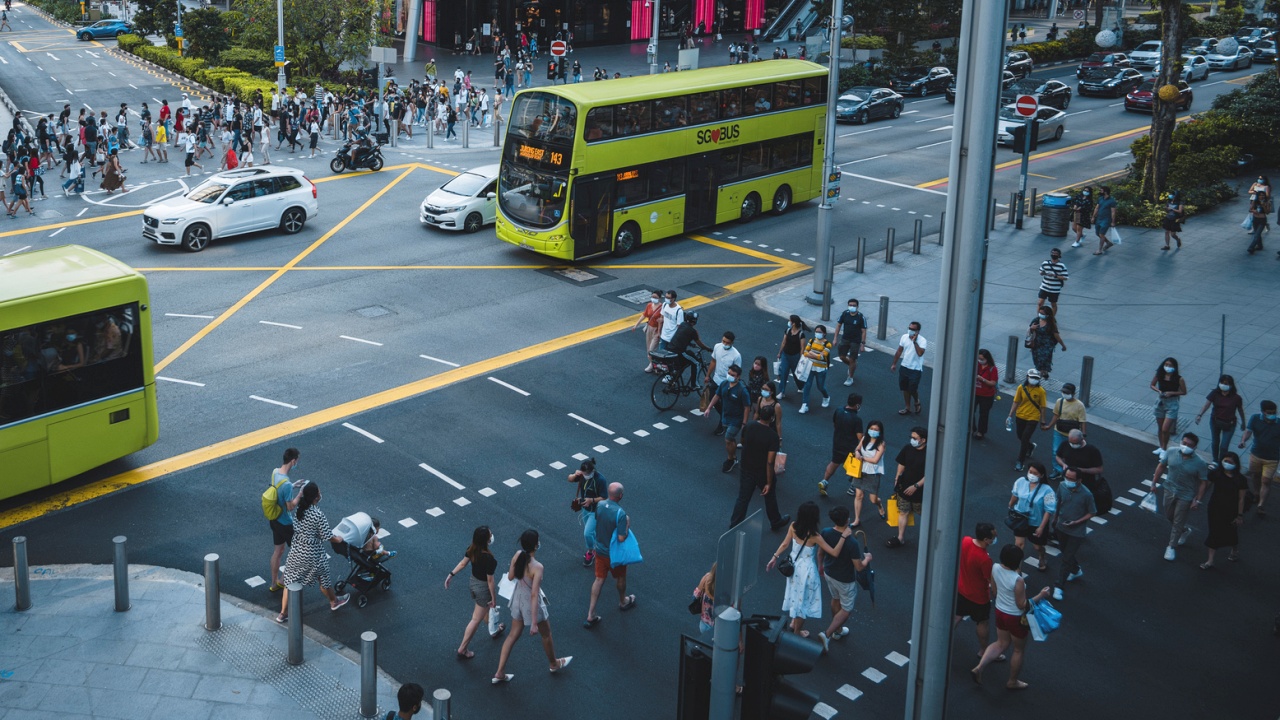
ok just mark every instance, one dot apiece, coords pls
pixel 1018 466
pixel 804 408
pixel 1033 450
pixel 1157 451
pixel 341 600
pixel 1075 244
pixel 720 431
pixel 387 554
pixel 848 382
pixel 1169 553
pixel 781 395
pixel 826 642
pixel 783 523
pixel 1182 539
pixel 842 634
pixel 826 402
pixel 734 465
pixel 1075 575
pixel 1057 593
pixel 822 487
pixel 726 466
pixel 894 542
pixel 588 558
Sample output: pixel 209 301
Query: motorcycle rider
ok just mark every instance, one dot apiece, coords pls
pixel 358 142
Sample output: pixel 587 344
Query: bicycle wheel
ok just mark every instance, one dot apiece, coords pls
pixel 666 391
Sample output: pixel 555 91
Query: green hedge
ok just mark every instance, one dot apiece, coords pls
pixel 254 62
pixel 235 81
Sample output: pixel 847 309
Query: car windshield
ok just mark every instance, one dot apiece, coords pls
pixel 914 72
pixel 1097 58
pixel 207 192
pixel 1102 74
pixel 466 184
pixel 543 116
pixel 852 98
pixel 1009 113
pixel 1145 87
pixel 1149 46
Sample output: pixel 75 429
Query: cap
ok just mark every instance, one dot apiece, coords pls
pixel 1033 374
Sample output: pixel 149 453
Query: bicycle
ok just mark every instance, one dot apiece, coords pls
pixel 672 384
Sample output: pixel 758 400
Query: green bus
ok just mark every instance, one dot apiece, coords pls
pixel 77 384
pixel 598 167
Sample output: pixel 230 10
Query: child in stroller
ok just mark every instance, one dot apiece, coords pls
pixel 356 538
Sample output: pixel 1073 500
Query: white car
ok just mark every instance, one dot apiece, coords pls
pixel 1050 124
pixel 232 203
pixel 468 202
pixel 1194 67
pixel 1147 54
pixel 1241 58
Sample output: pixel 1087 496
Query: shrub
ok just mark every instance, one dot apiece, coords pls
pixel 254 62
pixel 862 75
pixel 864 42
pixel 246 88
pixel 130 41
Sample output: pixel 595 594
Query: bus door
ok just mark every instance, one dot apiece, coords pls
pixel 701 191
pixel 592 217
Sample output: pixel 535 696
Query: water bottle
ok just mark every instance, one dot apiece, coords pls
pixel 1008 424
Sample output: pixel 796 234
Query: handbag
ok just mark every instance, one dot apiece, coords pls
pixel 575 505
pixel 695 606
pixel 1017 521
pixel 803 367
pixel 1043 619
pixel 891 512
pixel 779 463
pixel 624 552
pixel 853 466
pixel 1064 426
pixel 704 398
pixel 787 565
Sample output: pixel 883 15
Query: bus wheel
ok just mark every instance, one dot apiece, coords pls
pixel 196 237
pixel 750 207
pixel 782 200
pixel 626 240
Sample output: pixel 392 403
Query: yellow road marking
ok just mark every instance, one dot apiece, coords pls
pixel 1092 180
pixel 1046 177
pixel 71 223
pixel 366 268
pixel 276 275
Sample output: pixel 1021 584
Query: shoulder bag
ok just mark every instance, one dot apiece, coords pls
pixel 787 565
pixel 624 552
pixel 1064 426
pixel 1019 521
pixel 853 466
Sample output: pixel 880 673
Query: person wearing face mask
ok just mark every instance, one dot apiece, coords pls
pixel 723 354
pixel 1169 387
pixel 587 496
pixel 1042 338
pixel 1028 407
pixel 1226 404
pixel 870 451
pixel 734 403
pixel 1226 507
pixel 672 317
pixel 818 350
pixel 1184 472
pixel 911 347
pixel 307 561
pixel 1104 219
pixel 985 382
pixel 1053 275
pixel 908 484
pixel 789 352
pixel 1075 506
pixel 769 399
pixel 1077 453
pixel 845 441
pixel 851 337
pixel 484 592
pixel 651 318
pixel 973 583
pixel 72 354
pixel 1011 604
pixel 1081 214
pixel 528 607
pixel 1264 430
pixel 757 376
pixel 1068 414
pixel 1031 506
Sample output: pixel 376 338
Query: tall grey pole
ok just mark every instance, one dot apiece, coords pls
pixel 653 39
pixel 830 173
pixel 212 593
pixel 121 573
pixel 280 41
pixel 21 575
pixel 956 337
pixel 724 664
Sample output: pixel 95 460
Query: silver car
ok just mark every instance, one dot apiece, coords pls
pixel 468 202
pixel 1050 124
pixel 1241 58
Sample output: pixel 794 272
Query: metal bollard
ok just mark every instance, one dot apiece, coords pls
pixel 431 132
pixel 1086 379
pixel 369 674
pixel 295 623
pixel 466 130
pixel 1033 202
pixel 883 329
pixel 395 132
pixel 888 245
pixel 1013 207
pixel 212 593
pixel 995 212
pixel 21 574
pixel 441 701
pixel 1011 361
pixel 942 225
pixel 862 253
pixel 497 130
pixel 121 574
pixel 915 241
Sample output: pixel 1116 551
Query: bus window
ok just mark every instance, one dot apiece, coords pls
pixel 782 154
pixel 728 165
pixel 704 107
pixel 754 160
pixel 730 103
pixel 599 124
pixel 815 91
pixel 544 116
pixel 805 153
pixel 632 191
pixel 666 179
pixel 632 119
pixel 786 94
pixel 670 113
pixel 531 197
pixel 757 99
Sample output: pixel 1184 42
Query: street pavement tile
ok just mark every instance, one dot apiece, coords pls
pixel 171 683
pixel 116 677
pixel 22 695
pixel 118 704
pixel 263 696
pixel 155 655
pixel 67 699
pixel 20 668
pixel 167 708
pixel 65 672
pixel 223 689
pixel 99 650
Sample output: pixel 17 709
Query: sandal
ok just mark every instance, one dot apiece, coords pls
pixel 1234 556
pixel 561 663
pixel 591 622
pixel 466 655
pixel 498 633
pixel 1042 566
pixel 884 515
pixel 629 604
pixel 499 679
pixel 1206 566
pixel 904 411
pixel 919 407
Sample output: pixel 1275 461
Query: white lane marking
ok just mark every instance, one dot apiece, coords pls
pixel 111 73
pixel 680 418
pixel 456 485
pixel 873 675
pixel 1053 551
pixel 363 432
pixel 184 315
pixel 1138 491
pixel 583 420
pixel 1125 501
pixel 436 359
pixel 360 340
pixel 882 127
pixel 15 252
pixel 696 413
pixel 6 62
pixel 557 465
pixel 82 212
pixel 641 433
pixel 511 482
pixel 1078 112
pixel 661 426
pixel 255 581
pixel 283 325
pixel 55 233
pixel 535 474
pixel 408 522
pixel 1162 477
pixel 944 127
pixel 601 448
pixel 855 162
pixel 621 440
pixel 461 502
pixel 909 112
pixel 434 512
pixel 1113 511
pixel 937 117
pixel 487 491
pixel 824 711
pixel 135 87
pixel 944 142
pixel 850 692
pixel 897 658
pixel 176 380
pixel 895 184
pixel 1098 520
pixel 273 402
pixel 509 386
pixel 579 456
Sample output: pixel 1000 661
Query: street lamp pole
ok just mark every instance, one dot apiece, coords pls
pixel 280 41
pixel 653 38
pixel 822 268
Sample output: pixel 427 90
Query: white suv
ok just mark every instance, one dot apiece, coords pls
pixel 232 203
pixel 1147 54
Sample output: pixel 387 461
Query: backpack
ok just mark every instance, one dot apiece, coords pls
pixel 271 501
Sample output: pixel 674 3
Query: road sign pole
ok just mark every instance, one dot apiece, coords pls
pixel 653 39
pixel 280 42
pixel 830 172
pixel 1022 176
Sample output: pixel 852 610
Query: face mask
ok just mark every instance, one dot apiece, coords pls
pixel 733 379
pixel 1168 368
pixel 765 393
pixel 671 300
pixel 1033 478
pixel 1076 446
pixel 1033 381
pixel 819 336
pixel 1069 484
pixel 71 337
pixel 853 308
pixel 1228 466
pixel 537 547
pixel 1271 417
pixel 589 476
pixel 1067 396
pixel 1087 193
pixel 874 433
pixel 993 539
pixel 1224 387
pixel 915 443
pixel 1186 449
pixel 1042 316
pixel 655 301
pixel 913 333
pixel 491 538
pixel 727 345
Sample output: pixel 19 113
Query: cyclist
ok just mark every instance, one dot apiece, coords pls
pixel 686 334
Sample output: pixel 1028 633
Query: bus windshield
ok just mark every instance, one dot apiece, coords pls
pixel 545 117
pixel 528 191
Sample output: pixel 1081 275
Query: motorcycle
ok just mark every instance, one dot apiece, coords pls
pixel 366 159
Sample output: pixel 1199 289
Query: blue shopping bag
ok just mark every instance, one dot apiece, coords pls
pixel 624 552
pixel 1043 619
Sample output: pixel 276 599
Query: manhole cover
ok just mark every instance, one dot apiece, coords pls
pixel 638 297
pixel 49 214
pixel 576 275
pixel 373 311
pixel 579 277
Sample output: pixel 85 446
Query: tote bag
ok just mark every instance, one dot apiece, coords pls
pixel 624 552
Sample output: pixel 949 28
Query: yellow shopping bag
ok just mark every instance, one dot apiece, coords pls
pixel 853 466
pixel 891 512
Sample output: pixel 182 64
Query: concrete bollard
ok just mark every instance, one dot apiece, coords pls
pixel 295 623
pixel 497 130
pixel 915 240
pixel 862 254
pixel 1014 200
pixel 368 674
pixel 431 132
pixel 466 129
pixel 212 593
pixel 121 566
pixel 1086 379
pixel 995 212
pixel 441 702
pixel 21 575
pixel 883 328
pixel 1011 361
pixel 889 238
pixel 1032 210
pixel 942 225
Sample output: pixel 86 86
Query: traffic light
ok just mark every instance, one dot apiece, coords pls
pixel 1019 142
pixel 772 652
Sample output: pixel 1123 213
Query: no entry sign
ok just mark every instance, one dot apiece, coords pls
pixel 1026 105
pixel 558 48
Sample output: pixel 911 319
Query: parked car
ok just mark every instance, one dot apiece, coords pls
pixel 1143 97
pixel 1050 124
pixel 1251 36
pixel 863 104
pixel 467 202
pixel 1103 60
pixel 1147 54
pixel 1050 93
pixel 232 203
pixel 1241 58
pixel 104 29
pixel 921 80
pixel 1115 82
pixel 1265 51
pixel 1007 80
pixel 1019 63
pixel 1203 44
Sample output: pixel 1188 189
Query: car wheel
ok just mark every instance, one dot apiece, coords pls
pixel 750 208
pixel 863 118
pixel 473 223
pixel 924 90
pixel 1249 64
pixel 626 240
pixel 1066 102
pixel 119 33
pixel 897 112
pixel 196 237
pixel 1187 105
pixel 1057 134
pixel 86 36
pixel 782 200
pixel 338 164
pixel 293 220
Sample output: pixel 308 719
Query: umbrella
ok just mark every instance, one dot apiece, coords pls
pixel 866 577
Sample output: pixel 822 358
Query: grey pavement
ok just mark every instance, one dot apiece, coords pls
pixel 71 655
pixel 1128 309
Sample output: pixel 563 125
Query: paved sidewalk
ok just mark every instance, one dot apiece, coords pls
pixel 72 656
pixel 1128 310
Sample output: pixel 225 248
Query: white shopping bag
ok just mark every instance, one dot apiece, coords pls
pixel 1149 502
pixel 1114 235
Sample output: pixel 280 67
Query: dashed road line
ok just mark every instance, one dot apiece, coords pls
pixel 680 418
pixel 273 402
pixel 579 456
pixel 824 711
pixel 641 433
pixel 661 426
pixel 456 485
pixel 15 252
pixel 581 419
pixel 535 474
pixel 184 315
pixel 442 362
pixel 434 512
pixel 509 386
pixel 461 502
pixel 621 440
pixel 874 675
pixel 511 482
pixel 255 581
pixel 182 382
pixel 487 491
pixel 557 465
pixel 897 658
pixel 850 692
pixel 283 325
pixel 1125 501
pixel 363 432
pixel 408 522
pixel 360 340
pixel 56 232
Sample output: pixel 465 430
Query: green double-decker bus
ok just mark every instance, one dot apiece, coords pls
pixel 77 384
pixel 604 166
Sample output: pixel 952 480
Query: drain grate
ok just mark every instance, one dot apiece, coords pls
pixel 374 311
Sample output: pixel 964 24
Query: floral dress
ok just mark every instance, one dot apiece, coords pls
pixel 1043 343
pixel 803 598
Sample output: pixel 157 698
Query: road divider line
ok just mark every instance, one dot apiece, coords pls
pixel 456 485
pixel 895 184
pixel 176 380
pixel 363 432
pixel 273 402
pixel 944 142
pixel 442 362
pixel 855 162
pixel 434 512
pixel 360 340
pixel 24 248
pixel 55 233
pixel 509 386
pixel 276 324
pixel 184 315
pixel 585 421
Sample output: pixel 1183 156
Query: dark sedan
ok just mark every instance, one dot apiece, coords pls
pixel 864 104
pixel 1143 97
pixel 1050 93
pixel 1019 63
pixel 1007 80
pixel 1103 60
pixel 921 80
pixel 1115 82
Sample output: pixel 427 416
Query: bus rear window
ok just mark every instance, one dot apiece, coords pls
pixel 544 116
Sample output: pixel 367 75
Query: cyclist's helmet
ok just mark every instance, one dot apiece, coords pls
pixel 691 318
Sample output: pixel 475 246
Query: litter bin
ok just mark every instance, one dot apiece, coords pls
pixel 1054 215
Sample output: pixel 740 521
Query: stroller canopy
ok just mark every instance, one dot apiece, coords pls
pixel 355 529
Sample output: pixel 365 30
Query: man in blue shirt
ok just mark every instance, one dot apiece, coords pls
pixel 282 526
pixel 611 521
pixel 1264 430
pixel 735 409
pixel 841 573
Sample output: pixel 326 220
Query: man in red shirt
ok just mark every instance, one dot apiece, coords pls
pixel 973 588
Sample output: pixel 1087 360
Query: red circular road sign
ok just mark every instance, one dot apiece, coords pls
pixel 559 48
pixel 1026 105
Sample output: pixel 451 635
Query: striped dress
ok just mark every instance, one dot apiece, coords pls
pixel 307 559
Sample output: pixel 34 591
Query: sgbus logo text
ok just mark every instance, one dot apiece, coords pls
pixel 726 132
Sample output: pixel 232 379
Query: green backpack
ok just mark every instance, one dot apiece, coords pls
pixel 271 500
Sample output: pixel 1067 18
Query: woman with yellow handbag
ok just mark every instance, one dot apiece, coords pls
pixel 865 482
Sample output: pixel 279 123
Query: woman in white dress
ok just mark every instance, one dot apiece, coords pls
pixel 803 598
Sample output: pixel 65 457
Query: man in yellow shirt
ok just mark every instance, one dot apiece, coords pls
pixel 1028 408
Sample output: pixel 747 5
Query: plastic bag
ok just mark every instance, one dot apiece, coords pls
pixel 1114 235
pixel 1248 222
pixel 1043 619
pixel 779 463
pixel 803 367
pixel 1149 502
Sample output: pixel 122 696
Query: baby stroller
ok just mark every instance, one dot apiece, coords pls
pixel 366 568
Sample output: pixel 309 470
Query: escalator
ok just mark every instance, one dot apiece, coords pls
pixel 785 21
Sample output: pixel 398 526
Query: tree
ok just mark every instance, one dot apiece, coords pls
pixel 155 17
pixel 205 32
pixel 319 36
pixel 1164 115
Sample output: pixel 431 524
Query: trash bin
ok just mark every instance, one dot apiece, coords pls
pixel 1055 215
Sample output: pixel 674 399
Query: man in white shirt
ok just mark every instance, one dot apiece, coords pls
pixel 723 355
pixel 672 316
pixel 912 367
pixel 484 107
pixel 186 105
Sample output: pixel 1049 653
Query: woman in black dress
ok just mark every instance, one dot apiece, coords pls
pixel 1226 507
